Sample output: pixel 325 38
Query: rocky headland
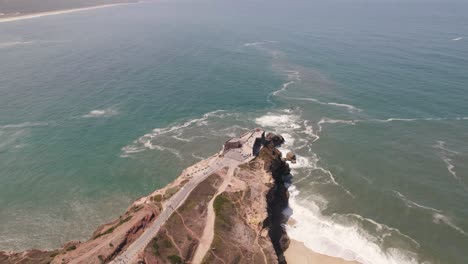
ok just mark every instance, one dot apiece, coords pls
pixel 220 210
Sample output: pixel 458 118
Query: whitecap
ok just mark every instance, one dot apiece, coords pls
pixel 457 39
pixel 101 113
pixel 282 121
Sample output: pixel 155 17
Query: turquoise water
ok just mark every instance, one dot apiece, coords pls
pixel 100 107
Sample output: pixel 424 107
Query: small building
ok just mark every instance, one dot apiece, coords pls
pixel 233 143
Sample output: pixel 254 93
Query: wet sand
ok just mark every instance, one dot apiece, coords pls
pixel 298 253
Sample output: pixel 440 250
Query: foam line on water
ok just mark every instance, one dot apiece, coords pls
pixel 145 142
pixel 447 155
pixel 348 107
pixel 24 125
pixel 57 12
pixel 388 120
pixel 260 43
pixel 412 204
pixel 293 77
pixel 438 218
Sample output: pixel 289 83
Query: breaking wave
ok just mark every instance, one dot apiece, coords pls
pixel 347 236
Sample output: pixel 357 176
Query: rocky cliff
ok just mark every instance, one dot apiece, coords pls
pixel 230 217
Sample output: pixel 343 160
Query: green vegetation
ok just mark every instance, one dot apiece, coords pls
pixel 53 255
pixel 72 247
pixel 219 203
pixel 174 259
pixel 101 258
pixel 155 248
pixel 157 198
pixel 168 243
pixel 170 192
pixel 137 208
pixel 126 219
pixel 110 230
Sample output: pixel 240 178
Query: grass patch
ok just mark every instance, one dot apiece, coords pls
pixel 137 208
pixel 110 230
pixel 155 248
pixel 170 192
pixel 72 247
pixel 174 259
pixel 167 243
pixel 126 219
pixel 157 198
pixel 219 203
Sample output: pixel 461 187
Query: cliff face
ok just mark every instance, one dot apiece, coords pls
pixel 233 216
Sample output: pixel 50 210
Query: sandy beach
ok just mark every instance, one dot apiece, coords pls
pixel 57 12
pixel 298 253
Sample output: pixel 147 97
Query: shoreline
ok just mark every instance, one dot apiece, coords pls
pixel 298 253
pixel 58 12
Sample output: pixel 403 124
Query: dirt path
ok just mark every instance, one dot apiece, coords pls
pixel 208 231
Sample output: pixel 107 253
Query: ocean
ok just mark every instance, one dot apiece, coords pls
pixel 100 107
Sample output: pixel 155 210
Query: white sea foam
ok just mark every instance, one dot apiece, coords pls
pixel 457 39
pixel 197 156
pixel 343 236
pixel 25 43
pixel 309 130
pixel 147 141
pixel 14 43
pixel 23 125
pixel 446 156
pixel 350 108
pixel 412 204
pixel 438 218
pixel 293 77
pixel 8 140
pixel 53 13
pixel 101 113
pixel 282 121
pixel 259 43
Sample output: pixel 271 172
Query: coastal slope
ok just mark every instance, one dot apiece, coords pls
pixel 226 208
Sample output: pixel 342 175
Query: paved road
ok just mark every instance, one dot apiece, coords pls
pixel 240 156
pixel 130 255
